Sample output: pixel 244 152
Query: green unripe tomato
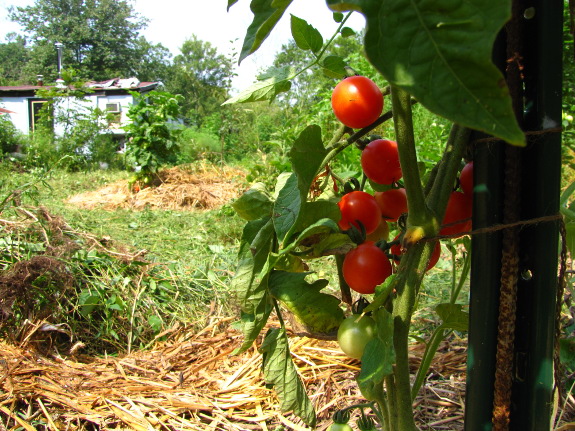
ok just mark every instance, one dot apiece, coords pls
pixel 354 333
pixel 340 427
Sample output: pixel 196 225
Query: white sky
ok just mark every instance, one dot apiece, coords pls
pixel 173 21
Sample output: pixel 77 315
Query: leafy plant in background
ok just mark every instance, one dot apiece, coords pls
pixel 152 133
pixel 288 229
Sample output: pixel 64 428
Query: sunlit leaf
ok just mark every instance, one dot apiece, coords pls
pixel 254 204
pixel 440 52
pixel 305 35
pixel 279 372
pixel 274 82
pixel 317 311
pixel 266 15
pixel 378 358
pixel 334 66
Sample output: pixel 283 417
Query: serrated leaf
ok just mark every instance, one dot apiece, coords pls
pixel 250 283
pixel 440 52
pixel 254 204
pixel 274 82
pixel 306 156
pixel 317 311
pixel 305 35
pixel 347 32
pixel 315 211
pixel 266 15
pixel 322 226
pixel 287 207
pixel 378 357
pixel 279 372
pixel 453 316
pixel 334 67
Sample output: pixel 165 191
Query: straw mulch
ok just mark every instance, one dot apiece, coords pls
pixel 191 382
pixel 178 188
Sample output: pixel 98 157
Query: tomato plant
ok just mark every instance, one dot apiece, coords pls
pixel 380 161
pixel 457 217
pixel 340 427
pixel 359 207
pixel 381 233
pixel 354 333
pixel 357 101
pixel 392 203
pixel 466 179
pixel 396 250
pixel 365 267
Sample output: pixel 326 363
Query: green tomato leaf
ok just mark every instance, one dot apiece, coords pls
pixel 231 3
pixel 266 15
pixel 306 156
pixel 305 35
pixel 316 311
pixel 280 372
pixel 250 282
pixel 378 357
pixel 287 206
pixel 453 316
pixel 337 16
pixel 440 52
pixel 322 226
pixel 269 85
pixel 254 204
pixel 333 66
pixel 315 211
pixel 347 32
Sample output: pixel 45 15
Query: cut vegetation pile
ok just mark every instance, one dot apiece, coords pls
pixel 177 188
pixel 191 382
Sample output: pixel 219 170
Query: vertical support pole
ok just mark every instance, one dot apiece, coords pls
pixel 532 392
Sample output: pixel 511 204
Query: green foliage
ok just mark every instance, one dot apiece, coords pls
pixel 100 38
pixel 10 137
pixel 425 44
pixel 152 134
pixel 198 145
pixel 203 77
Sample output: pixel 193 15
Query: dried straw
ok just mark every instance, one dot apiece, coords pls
pixel 191 382
pixel 178 188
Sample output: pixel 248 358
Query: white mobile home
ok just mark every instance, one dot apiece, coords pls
pixel 112 96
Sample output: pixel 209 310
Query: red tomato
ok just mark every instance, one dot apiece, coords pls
pixel 357 101
pixel 459 209
pixel 466 179
pixel 392 203
pixel 380 161
pixel 365 267
pixel 434 258
pixel 359 206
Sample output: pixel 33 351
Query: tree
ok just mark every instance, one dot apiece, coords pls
pixel 202 76
pixel 100 37
pixel 14 56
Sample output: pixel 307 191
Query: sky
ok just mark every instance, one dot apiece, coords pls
pixel 171 22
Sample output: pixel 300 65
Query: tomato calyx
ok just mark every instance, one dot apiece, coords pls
pixel 360 305
pixel 365 423
pixel 341 416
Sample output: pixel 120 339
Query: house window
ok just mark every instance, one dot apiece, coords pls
pixel 113 113
pixel 36 114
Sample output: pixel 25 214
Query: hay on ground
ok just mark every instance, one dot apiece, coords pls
pixel 191 382
pixel 176 188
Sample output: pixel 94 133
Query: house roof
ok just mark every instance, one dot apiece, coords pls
pixel 6 111
pixel 115 85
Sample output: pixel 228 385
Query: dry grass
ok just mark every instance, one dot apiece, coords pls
pixel 191 382
pixel 179 188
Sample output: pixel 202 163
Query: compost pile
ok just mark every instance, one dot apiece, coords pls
pixel 192 382
pixel 179 188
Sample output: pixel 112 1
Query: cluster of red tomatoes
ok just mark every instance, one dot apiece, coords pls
pixel 357 102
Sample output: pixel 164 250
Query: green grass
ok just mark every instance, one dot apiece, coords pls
pixel 118 305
